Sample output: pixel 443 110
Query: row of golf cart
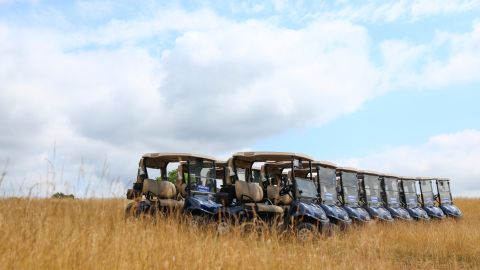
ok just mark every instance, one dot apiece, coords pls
pixel 286 191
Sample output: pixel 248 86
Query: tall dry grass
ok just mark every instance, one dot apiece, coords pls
pixel 92 234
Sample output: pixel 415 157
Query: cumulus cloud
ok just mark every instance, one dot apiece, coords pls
pixel 446 60
pixel 107 94
pixel 454 155
pixel 216 89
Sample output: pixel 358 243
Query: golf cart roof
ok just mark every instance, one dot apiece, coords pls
pixel 278 164
pixel 389 175
pixel 269 156
pixel 323 163
pixel 443 179
pixel 271 167
pixel 424 178
pixel 220 168
pixel 159 160
pixel 407 178
pixel 369 172
pixel 347 169
pixel 220 163
pixel 303 173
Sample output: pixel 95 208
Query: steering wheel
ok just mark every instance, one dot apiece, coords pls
pixel 285 190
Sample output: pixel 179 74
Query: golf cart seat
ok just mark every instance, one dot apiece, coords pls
pixel 261 207
pixel 172 203
pixel 164 190
pixel 252 194
pixel 161 189
pixel 273 194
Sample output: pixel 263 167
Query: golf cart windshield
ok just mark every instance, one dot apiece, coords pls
pixel 256 176
pixel 202 177
pixel 444 192
pixel 350 188
pixel 427 193
pixel 306 188
pixel 328 182
pixel 391 192
pixel 372 189
pixel 410 193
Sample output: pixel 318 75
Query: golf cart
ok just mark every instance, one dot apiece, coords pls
pixel 348 195
pixel 193 192
pixel 203 200
pixel 370 193
pixel 427 198
pixel 150 195
pixel 408 195
pixel 327 185
pixel 296 191
pixel 444 198
pixel 288 196
pixel 391 197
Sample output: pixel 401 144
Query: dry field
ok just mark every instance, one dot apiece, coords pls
pixel 91 234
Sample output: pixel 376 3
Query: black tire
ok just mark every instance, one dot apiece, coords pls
pixel 225 224
pixel 306 231
pixel 131 211
pixel 330 229
pixel 198 221
pixel 344 226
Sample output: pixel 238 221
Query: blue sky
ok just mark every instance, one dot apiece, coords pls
pixel 399 118
pixel 88 86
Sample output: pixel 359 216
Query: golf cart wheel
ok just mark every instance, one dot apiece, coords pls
pixel 133 211
pixel 306 231
pixel 344 226
pixel 198 221
pixel 224 226
pixel 130 211
pixel 330 229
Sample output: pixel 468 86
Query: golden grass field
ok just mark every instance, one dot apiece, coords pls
pixel 92 234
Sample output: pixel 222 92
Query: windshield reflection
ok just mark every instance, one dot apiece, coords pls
pixel 350 188
pixel 202 177
pixel 306 188
pixel 444 192
pixel 427 192
pixel 391 192
pixel 372 190
pixel 410 193
pixel 328 182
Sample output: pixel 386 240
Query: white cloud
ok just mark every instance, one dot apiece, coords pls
pixel 453 155
pixel 391 11
pixel 446 60
pixel 220 87
pixel 425 8
pixel 463 63
pixel 99 93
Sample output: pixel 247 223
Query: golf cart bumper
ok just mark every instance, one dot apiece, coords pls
pixel 418 213
pixel 337 214
pixel 400 213
pixel 203 204
pixel 311 211
pixel 380 213
pixel 358 214
pixel 451 210
pixel 435 212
